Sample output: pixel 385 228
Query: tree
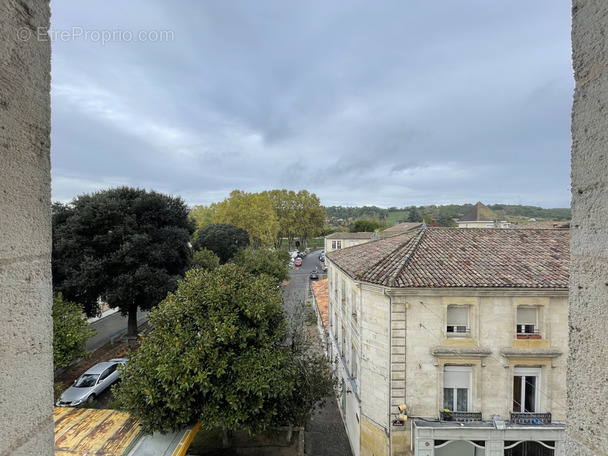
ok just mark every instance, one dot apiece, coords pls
pixel 414 215
pixel 205 259
pixel 125 246
pixel 202 215
pixel 365 226
pixel 264 261
pixel 216 354
pixel 70 332
pixel 252 212
pixel 222 239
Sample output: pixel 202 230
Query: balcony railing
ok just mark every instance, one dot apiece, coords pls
pixel 461 417
pixel 530 418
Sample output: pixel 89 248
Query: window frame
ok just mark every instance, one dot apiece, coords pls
pixel 524 326
pixel 451 329
pixel 457 371
pixel 526 372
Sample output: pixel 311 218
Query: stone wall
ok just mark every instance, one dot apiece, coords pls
pixel 26 376
pixel 587 378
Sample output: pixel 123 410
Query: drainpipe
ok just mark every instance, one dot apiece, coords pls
pixel 390 366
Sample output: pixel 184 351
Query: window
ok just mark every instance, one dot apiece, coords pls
pixel 336 245
pixel 456 388
pixel 526 381
pixel 354 362
pixel 458 320
pixel 527 320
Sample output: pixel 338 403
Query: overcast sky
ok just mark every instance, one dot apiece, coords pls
pixel 387 103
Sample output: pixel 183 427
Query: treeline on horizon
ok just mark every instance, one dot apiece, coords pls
pixel 451 211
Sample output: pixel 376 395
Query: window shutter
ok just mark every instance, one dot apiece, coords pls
pixel 526 315
pixel 457 377
pixel 458 316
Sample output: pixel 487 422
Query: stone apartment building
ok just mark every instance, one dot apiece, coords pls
pixel 466 328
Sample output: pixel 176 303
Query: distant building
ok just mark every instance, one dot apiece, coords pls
pixel 466 329
pixel 481 216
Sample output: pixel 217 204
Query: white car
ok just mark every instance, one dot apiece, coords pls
pixel 91 384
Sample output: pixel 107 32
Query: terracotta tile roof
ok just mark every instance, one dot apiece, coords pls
pixel 401 227
pixel 457 257
pixel 360 235
pixel 321 292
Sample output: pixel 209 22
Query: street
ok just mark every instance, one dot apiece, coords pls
pixel 325 435
pixel 110 328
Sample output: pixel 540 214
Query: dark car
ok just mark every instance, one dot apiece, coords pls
pixel 297 261
pixel 314 275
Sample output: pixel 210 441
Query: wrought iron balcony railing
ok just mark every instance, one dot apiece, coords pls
pixel 462 417
pixel 530 418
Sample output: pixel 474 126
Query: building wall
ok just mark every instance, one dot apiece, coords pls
pixel 587 386
pixel 26 376
pixel 418 323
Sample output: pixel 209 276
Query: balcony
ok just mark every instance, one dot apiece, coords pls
pixel 530 418
pixel 461 417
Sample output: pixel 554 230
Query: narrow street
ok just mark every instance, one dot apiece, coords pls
pixel 325 434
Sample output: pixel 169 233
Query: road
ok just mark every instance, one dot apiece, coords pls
pixel 110 328
pixel 325 435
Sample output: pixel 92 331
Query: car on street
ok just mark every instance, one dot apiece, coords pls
pixel 92 383
pixel 322 256
pixel 297 261
pixel 314 275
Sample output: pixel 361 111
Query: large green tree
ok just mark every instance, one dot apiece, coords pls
pixel 365 226
pixel 222 239
pixel 70 332
pixel 125 246
pixel 264 261
pixel 252 212
pixel 217 354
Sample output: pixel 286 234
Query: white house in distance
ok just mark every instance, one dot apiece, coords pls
pixel 452 342
pixel 341 240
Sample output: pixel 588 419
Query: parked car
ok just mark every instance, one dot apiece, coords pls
pixel 290 264
pixel 92 383
pixel 297 261
pixel 322 256
pixel 314 275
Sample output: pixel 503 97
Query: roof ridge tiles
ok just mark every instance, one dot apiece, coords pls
pixel 410 250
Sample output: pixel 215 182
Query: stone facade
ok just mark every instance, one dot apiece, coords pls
pixel 587 385
pixel 26 377
pixel 395 346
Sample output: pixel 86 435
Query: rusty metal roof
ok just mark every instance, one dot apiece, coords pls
pixel 81 431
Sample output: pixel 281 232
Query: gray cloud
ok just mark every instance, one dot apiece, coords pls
pixel 387 103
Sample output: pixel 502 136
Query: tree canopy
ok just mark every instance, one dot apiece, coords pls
pixel 222 239
pixel 125 246
pixel 216 354
pixel 252 212
pixel 273 263
pixel 70 332
pixel 365 226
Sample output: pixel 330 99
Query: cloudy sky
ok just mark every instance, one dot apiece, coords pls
pixel 387 103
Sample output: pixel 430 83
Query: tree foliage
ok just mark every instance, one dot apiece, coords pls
pixel 252 212
pixel 205 259
pixel 222 239
pixel 216 354
pixel 125 246
pixel 365 226
pixel 271 262
pixel 70 332
pixel 300 215
pixel 202 215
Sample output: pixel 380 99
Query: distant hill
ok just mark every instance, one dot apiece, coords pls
pixel 341 215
